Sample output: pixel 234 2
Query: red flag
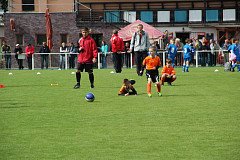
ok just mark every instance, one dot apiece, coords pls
pixel 49 29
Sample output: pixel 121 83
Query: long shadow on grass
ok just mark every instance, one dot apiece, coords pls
pixel 25 85
pixel 14 106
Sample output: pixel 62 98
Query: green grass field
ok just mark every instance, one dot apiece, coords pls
pixel 198 118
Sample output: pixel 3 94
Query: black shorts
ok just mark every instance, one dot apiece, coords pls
pixel 153 74
pixel 87 66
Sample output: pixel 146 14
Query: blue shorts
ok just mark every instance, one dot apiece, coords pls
pixel 187 59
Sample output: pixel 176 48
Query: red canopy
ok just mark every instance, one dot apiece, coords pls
pixel 127 32
pixel 49 29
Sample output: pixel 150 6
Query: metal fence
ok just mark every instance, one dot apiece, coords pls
pixel 199 58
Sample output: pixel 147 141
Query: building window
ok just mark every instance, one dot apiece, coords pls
pixel 112 16
pixel 211 15
pixel 64 38
pixel 19 39
pixel 180 16
pixel 163 16
pixel 229 15
pixel 29 5
pixel 41 38
pixel 129 16
pixel 195 15
pixel 146 16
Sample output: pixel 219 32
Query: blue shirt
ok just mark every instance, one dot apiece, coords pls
pixel 172 50
pixel 104 49
pixel 187 50
pixel 235 49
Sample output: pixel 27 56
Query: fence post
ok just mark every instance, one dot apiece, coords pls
pixel 164 59
pixel 66 61
pixel 131 60
pixel 99 67
pixel 196 59
pixel 32 61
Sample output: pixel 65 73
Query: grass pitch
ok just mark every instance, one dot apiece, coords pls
pixel 197 118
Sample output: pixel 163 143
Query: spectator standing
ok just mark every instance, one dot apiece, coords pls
pixel 18 55
pixel 6 50
pixel 179 46
pixel 117 47
pixel 104 50
pixel 165 39
pixel 29 50
pixel 140 44
pixel 88 53
pixel 72 56
pixel 225 47
pixel 44 57
pixel 63 49
pixel 127 55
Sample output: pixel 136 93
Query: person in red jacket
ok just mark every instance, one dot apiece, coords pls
pixel 168 73
pixel 29 50
pixel 117 47
pixel 87 56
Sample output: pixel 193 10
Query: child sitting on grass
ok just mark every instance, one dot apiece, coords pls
pixel 127 88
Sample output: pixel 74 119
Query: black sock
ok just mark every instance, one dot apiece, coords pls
pixel 78 77
pixel 91 78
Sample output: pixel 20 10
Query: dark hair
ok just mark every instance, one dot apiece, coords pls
pixel 169 61
pixel 115 31
pixel 85 29
pixel 188 40
pixel 125 80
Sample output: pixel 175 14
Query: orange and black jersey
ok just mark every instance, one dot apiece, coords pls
pixel 126 89
pixel 152 63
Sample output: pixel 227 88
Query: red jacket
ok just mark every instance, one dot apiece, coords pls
pixel 117 43
pixel 29 50
pixel 89 50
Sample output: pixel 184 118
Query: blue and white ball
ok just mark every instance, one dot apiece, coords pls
pixel 89 97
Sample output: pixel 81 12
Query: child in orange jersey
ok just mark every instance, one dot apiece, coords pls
pixel 127 88
pixel 168 73
pixel 152 63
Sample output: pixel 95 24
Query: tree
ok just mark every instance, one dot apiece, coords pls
pixel 4 5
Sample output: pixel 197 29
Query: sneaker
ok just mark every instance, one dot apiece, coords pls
pixel 77 86
pixel 169 83
pixel 92 86
pixel 159 94
pixel 149 95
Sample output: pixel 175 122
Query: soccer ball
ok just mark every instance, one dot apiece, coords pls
pixel 89 97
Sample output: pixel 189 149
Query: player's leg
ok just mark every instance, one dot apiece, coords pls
pixel 174 77
pixel 158 85
pixel 89 69
pixel 187 65
pixel 163 78
pixel 80 68
pixel 184 65
pixel 149 83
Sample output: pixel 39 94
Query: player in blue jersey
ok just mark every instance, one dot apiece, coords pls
pixel 187 51
pixel 172 51
pixel 234 55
